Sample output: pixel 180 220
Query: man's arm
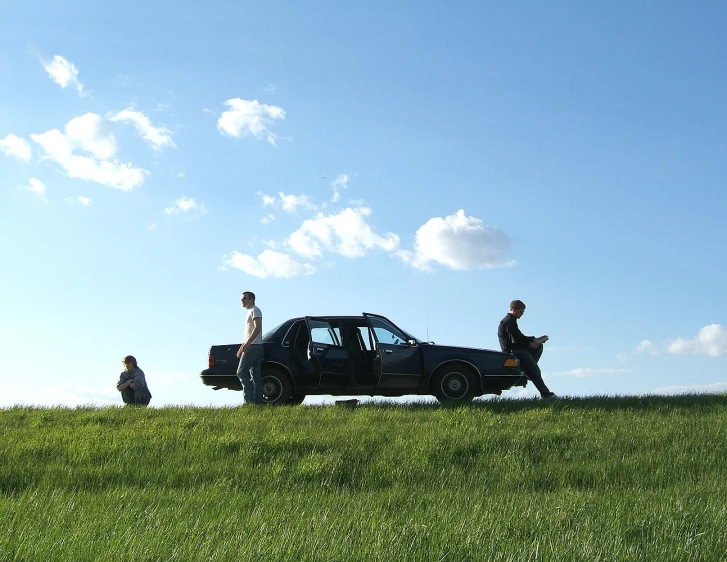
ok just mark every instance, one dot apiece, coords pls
pixel 257 327
pixel 516 336
pixel 124 385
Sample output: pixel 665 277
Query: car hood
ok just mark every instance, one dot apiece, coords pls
pixel 460 348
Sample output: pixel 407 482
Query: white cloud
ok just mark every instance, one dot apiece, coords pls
pixel 87 133
pixel 714 388
pixel 184 205
pixel 711 340
pixel 169 378
pixel 267 219
pixel 85 201
pixel 16 147
pixel 247 117
pixel 268 200
pixel 52 396
pixel 589 372
pixel 341 182
pixel 346 233
pixel 35 186
pixel 292 202
pixel 268 264
pixel 63 72
pixel 157 137
pixel 114 174
pixel 458 242
pixel 647 347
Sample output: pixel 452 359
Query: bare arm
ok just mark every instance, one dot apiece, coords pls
pixel 257 327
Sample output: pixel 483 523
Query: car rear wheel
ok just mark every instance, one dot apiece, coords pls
pixel 454 384
pixel 277 387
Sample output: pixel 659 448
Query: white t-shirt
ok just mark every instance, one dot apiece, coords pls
pixel 252 313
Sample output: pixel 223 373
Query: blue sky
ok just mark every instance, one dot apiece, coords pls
pixel 422 161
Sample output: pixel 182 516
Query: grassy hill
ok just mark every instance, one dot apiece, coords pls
pixel 577 479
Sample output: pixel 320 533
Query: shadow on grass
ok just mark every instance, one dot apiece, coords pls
pixel 602 403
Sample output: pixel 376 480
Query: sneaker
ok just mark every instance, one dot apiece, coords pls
pixel 550 396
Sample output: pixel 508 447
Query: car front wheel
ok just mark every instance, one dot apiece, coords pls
pixel 277 387
pixel 454 384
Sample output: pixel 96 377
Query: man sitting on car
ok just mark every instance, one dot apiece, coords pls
pixel 526 348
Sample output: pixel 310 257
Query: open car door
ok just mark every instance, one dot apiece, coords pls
pixel 398 359
pixel 328 357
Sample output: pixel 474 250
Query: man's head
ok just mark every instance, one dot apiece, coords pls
pixel 517 308
pixel 248 299
pixel 129 362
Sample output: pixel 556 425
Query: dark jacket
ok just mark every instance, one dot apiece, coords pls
pixel 138 392
pixel 510 335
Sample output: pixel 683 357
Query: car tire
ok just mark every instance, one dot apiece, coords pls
pixel 454 384
pixel 277 387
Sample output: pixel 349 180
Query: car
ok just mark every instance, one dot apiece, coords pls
pixel 365 355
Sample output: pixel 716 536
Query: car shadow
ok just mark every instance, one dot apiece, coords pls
pixel 499 405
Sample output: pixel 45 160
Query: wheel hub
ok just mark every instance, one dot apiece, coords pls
pixel 455 386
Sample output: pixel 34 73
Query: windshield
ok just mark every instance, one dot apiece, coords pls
pixel 386 332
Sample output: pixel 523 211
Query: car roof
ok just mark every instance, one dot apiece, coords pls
pixel 328 316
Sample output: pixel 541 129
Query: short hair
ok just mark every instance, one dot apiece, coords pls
pixel 129 359
pixel 517 305
pixel 250 295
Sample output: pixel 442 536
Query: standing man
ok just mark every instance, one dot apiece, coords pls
pixel 526 348
pixel 251 352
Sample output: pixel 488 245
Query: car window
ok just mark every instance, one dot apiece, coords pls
pixel 323 332
pixel 366 339
pixel 386 333
pixel 270 333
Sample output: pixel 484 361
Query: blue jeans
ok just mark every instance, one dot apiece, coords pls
pixel 249 371
pixel 529 363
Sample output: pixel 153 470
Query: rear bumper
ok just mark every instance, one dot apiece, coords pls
pixel 218 381
pixel 495 383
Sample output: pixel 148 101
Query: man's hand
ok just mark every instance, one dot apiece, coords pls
pixel 244 348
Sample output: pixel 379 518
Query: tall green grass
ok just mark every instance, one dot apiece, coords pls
pixel 576 479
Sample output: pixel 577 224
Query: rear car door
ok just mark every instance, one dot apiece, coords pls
pixel 330 360
pixel 398 359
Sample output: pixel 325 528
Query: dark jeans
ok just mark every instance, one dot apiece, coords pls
pixel 529 363
pixel 250 374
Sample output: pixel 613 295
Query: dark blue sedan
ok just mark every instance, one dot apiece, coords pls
pixel 364 355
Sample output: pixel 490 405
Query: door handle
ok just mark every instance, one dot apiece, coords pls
pixel 319 349
pixel 388 351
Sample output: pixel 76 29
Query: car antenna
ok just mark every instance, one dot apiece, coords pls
pixel 427 322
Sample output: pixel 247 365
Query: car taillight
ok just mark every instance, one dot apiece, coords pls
pixel 211 360
pixel 512 362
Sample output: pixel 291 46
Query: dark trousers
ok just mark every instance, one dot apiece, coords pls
pixel 529 363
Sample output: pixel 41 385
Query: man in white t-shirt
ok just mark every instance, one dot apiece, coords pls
pixel 251 352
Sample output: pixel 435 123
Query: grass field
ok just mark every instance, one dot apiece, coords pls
pixel 641 478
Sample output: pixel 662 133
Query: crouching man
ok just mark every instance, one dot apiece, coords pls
pixel 132 384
